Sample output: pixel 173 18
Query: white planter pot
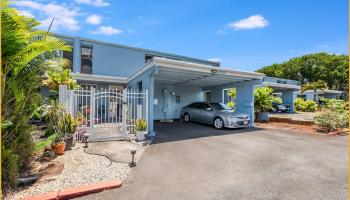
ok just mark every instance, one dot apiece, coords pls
pixel 141 135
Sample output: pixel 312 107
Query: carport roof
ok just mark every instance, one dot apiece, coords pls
pixel 280 86
pixel 181 73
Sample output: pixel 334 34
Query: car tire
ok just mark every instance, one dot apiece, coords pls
pixel 187 118
pixel 218 123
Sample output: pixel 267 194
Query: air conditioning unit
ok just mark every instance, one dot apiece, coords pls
pixel 86 51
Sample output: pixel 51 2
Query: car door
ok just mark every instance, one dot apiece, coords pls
pixel 194 111
pixel 206 113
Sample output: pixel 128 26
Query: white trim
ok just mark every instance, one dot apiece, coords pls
pixel 99 78
pixel 164 62
pixel 182 65
pixel 149 64
pixel 324 91
pixel 283 86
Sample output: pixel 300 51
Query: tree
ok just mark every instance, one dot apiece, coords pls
pixel 318 85
pixel 25 52
pixel 331 68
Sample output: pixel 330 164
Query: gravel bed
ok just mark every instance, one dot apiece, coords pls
pixel 80 168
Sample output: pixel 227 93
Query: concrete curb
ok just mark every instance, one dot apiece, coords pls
pixel 79 191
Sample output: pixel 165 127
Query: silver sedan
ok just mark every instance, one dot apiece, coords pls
pixel 217 114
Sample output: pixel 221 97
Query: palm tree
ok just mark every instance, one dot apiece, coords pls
pixel 318 85
pixel 25 52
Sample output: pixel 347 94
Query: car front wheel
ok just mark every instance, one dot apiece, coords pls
pixel 218 123
pixel 187 118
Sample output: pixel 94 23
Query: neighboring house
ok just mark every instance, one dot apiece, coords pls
pixel 172 81
pixel 329 94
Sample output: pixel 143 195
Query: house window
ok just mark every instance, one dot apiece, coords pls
pixel 67 55
pixel 86 60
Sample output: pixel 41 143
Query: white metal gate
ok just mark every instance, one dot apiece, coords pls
pixel 105 114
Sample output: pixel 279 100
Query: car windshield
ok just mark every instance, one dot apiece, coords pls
pixel 220 106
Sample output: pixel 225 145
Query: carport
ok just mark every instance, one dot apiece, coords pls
pixel 172 84
pixel 287 89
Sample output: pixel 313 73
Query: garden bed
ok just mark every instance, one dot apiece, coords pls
pixel 72 169
pixel 301 128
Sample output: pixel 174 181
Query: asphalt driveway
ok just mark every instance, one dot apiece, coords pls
pixel 193 161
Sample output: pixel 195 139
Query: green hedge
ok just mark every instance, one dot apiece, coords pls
pixel 305 105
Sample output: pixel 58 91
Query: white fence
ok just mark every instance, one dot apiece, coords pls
pixel 105 114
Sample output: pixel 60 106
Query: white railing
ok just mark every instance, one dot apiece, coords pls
pixel 105 114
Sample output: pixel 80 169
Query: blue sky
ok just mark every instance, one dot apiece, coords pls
pixel 241 34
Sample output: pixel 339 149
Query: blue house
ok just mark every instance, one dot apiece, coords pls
pixel 172 81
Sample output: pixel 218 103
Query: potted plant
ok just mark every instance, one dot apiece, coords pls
pixel 67 126
pixel 141 129
pixel 59 147
pixel 263 99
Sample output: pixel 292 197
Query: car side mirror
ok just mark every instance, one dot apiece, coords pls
pixel 208 109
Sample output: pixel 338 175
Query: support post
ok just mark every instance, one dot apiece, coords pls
pixel 245 101
pixel 62 96
pixel 92 109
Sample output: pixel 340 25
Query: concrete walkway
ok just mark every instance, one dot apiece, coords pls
pixel 193 161
pixel 117 151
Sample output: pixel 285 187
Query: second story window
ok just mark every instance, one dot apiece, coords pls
pixel 86 60
pixel 67 55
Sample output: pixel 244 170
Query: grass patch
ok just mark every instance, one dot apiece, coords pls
pixel 41 145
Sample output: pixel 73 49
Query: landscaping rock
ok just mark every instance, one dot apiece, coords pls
pixel 80 168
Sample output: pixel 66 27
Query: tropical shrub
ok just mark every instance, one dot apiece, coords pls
pixel 337 105
pixel 67 124
pixel 278 100
pixel 263 99
pixel 25 52
pixel 305 105
pixel 9 168
pixel 141 125
pixel 232 93
pixel 330 120
pixel 231 104
pixel 334 115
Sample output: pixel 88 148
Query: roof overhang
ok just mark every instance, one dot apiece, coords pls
pixel 324 91
pixel 181 73
pixel 279 86
pixel 99 78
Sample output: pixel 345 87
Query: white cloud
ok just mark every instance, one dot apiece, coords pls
pixel 97 3
pixel 215 59
pixel 107 30
pixel 25 13
pixel 29 4
pixel 254 21
pixel 65 17
pixel 94 19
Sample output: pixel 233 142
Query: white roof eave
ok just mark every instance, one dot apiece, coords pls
pixel 99 78
pixel 183 65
